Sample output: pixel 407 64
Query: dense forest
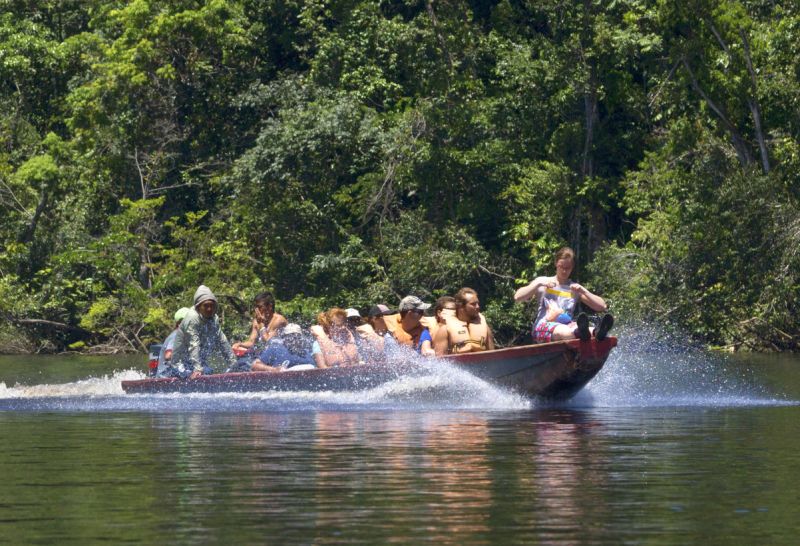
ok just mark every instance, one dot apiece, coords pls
pixel 348 152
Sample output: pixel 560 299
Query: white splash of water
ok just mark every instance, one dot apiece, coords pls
pixel 107 385
pixel 442 387
pixel 651 368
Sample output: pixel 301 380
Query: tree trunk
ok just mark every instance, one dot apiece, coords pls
pixel 755 108
pixel 27 234
pixel 590 115
pixel 739 143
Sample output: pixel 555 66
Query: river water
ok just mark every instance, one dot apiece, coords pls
pixel 665 446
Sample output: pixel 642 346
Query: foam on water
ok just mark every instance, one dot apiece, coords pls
pixel 651 368
pixel 444 387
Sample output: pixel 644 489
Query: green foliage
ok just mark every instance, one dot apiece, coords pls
pixel 350 152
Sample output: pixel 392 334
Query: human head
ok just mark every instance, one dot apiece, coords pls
pixel 292 329
pixel 412 303
pixel 353 317
pixel 292 335
pixel 264 301
pixel 205 302
pixel 467 303
pixel 565 262
pixel 375 317
pixel 333 320
pixel 180 314
pixel 445 306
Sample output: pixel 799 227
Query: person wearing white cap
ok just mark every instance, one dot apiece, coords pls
pixel 165 356
pixel 288 351
pixel 410 331
pixel 199 337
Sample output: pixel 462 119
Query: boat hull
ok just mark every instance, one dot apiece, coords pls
pixel 555 370
pixel 550 370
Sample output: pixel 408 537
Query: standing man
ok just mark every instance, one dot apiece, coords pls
pixel 200 337
pixel 468 331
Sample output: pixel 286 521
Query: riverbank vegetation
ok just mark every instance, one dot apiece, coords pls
pixel 351 152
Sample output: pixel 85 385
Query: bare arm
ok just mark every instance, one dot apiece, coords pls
pixel 489 339
pixel 250 340
pixel 529 290
pixel 259 366
pixel 319 360
pixel 426 349
pixel 274 326
pixel 440 341
pixel 593 301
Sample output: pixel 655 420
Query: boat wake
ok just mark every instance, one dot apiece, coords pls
pixel 653 369
pixel 444 388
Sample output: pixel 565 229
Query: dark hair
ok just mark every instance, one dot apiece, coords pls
pixel 461 296
pixel 441 302
pixel 264 298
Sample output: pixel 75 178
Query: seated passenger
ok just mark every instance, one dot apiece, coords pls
pixel 165 356
pixel 289 351
pixel 376 321
pixel 468 331
pixel 266 323
pixel 407 327
pixel 444 307
pixel 370 344
pixel 558 298
pixel 334 345
pixel 200 338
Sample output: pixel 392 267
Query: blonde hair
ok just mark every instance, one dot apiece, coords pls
pixel 325 319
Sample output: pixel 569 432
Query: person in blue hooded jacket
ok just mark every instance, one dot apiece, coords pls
pixel 199 338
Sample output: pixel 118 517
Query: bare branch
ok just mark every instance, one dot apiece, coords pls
pixel 662 84
pixel 738 142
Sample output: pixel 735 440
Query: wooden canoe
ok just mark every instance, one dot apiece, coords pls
pixel 555 370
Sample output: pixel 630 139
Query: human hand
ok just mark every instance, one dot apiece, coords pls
pixel 195 374
pixel 258 317
pixel 577 289
pixel 552 312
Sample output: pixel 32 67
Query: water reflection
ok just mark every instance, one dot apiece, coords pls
pixel 458 476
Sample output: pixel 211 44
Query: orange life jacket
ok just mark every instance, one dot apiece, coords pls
pixel 467 337
pixel 395 327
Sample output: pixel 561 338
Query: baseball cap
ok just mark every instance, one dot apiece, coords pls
pixel 292 328
pixel 351 312
pixel 413 302
pixel 380 310
pixel 180 314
